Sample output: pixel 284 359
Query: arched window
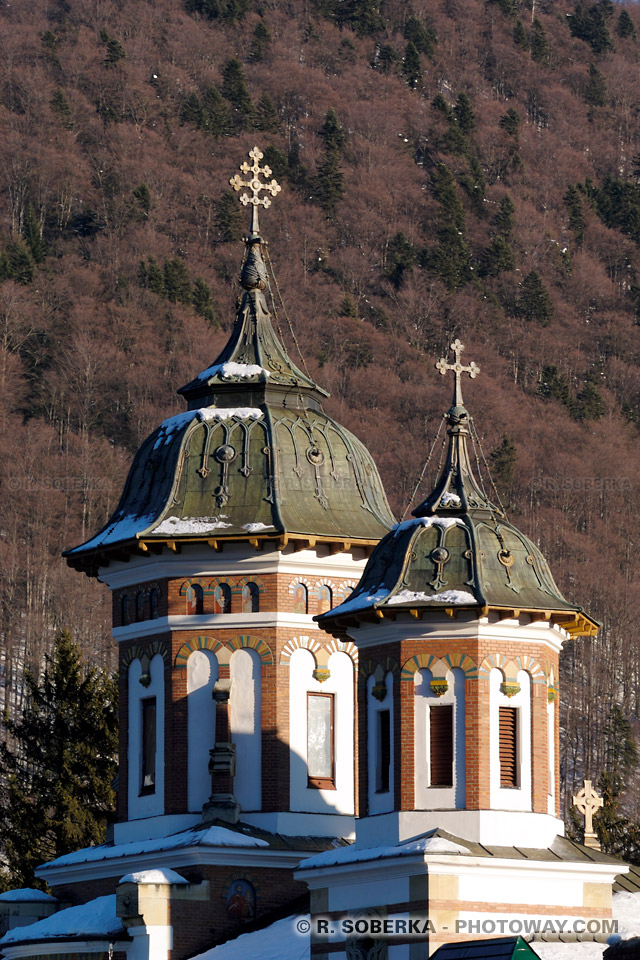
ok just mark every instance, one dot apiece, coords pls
pixel 154 601
pixel 250 598
pixel 125 609
pixel 326 599
pixel 195 597
pixel 222 598
pixel 300 599
pixel 140 604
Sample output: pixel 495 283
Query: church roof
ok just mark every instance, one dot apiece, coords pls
pixel 254 457
pixel 459 550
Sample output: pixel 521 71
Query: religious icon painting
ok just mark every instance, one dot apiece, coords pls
pixel 241 900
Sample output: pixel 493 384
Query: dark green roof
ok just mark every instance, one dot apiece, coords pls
pixel 459 551
pixel 253 456
pixel 496 948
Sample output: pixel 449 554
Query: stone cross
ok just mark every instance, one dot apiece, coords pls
pixel 588 801
pixel 255 185
pixel 472 369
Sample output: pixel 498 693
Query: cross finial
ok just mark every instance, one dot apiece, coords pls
pixel 255 185
pixel 588 802
pixel 472 369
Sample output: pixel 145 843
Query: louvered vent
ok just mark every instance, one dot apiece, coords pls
pixel 508 747
pixel 441 743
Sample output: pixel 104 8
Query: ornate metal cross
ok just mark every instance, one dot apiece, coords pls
pixel 588 801
pixel 472 369
pixel 255 185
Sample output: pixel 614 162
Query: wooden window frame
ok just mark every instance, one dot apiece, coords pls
pixel 146 790
pixel 514 783
pixel 323 783
pixel 450 709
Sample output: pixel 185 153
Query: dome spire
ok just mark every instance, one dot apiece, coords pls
pixel 254 275
pixel 457 489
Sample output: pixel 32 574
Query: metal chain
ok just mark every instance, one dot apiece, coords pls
pixel 424 469
pixel 284 309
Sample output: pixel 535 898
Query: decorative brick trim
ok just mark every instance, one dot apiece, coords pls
pixel 196 582
pixel 427 661
pixel 245 580
pixel 532 667
pixel 137 653
pixel 379 669
pixel 495 661
pixel 244 642
pixel 297 643
pixel 196 643
pixel 304 581
pixel 511 668
pixel 340 646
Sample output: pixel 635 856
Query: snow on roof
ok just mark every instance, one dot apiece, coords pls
pixel 26 894
pixel 162 875
pixel 225 413
pixel 447 596
pixel 444 522
pixel 448 498
pixel 230 369
pixel 94 919
pixel 257 527
pixel 186 525
pixel 625 908
pixel 211 837
pixel 429 846
pixel 280 941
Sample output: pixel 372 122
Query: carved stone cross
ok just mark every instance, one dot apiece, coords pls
pixel 255 185
pixel 472 369
pixel 588 802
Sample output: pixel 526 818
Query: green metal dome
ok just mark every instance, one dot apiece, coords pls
pixel 458 552
pixel 254 457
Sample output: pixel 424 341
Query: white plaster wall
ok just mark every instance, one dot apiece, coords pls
pixel 379 802
pixel 536 886
pixel 245 716
pixel 433 798
pixel 340 683
pixel 512 798
pixel 202 673
pixel 152 804
pixel 383 891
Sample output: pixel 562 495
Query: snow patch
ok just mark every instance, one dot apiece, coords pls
pixel 94 919
pixel 450 499
pixel 257 527
pixel 444 522
pixel 429 846
pixel 448 596
pixel 212 837
pixel 26 894
pixel 282 940
pixel 230 369
pixel 226 413
pixel 625 908
pixel 194 525
pixel 163 875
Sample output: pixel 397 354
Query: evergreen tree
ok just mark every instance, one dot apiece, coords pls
pixel 463 112
pixel 474 183
pixel 33 235
pixel 503 461
pixel 348 308
pixel 520 37
pixel 266 116
pixel 625 27
pixel 215 113
pixel 260 42
pixel 539 44
pixel 503 220
pixel 59 773
pixel 329 182
pixel 298 173
pixel 510 123
pixel 19 262
pixel 421 36
pixel 618 835
pixel 227 10
pixel 177 286
pixel 278 162
pixel 191 111
pixel 589 404
pixel 362 16
pixel 142 200
pixel 229 220
pixel 400 258
pixel 411 66
pixel 534 302
pixel 596 90
pixel 590 24
pixel 508 7
pixel 451 259
pixel 385 58
pixel 151 276
pixel 497 258
pixel 203 301
pixel 553 386
pixel 577 222
pixel 235 90
pixel 50 43
pixel 60 106
pixel 332 133
pixel 115 51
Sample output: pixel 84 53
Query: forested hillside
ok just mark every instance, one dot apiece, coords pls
pixel 449 168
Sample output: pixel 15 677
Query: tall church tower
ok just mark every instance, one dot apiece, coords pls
pixel 241 519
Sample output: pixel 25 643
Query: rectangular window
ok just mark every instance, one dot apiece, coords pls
pixel 148 752
pixel 441 745
pixel 320 759
pixel 383 759
pixel 508 747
